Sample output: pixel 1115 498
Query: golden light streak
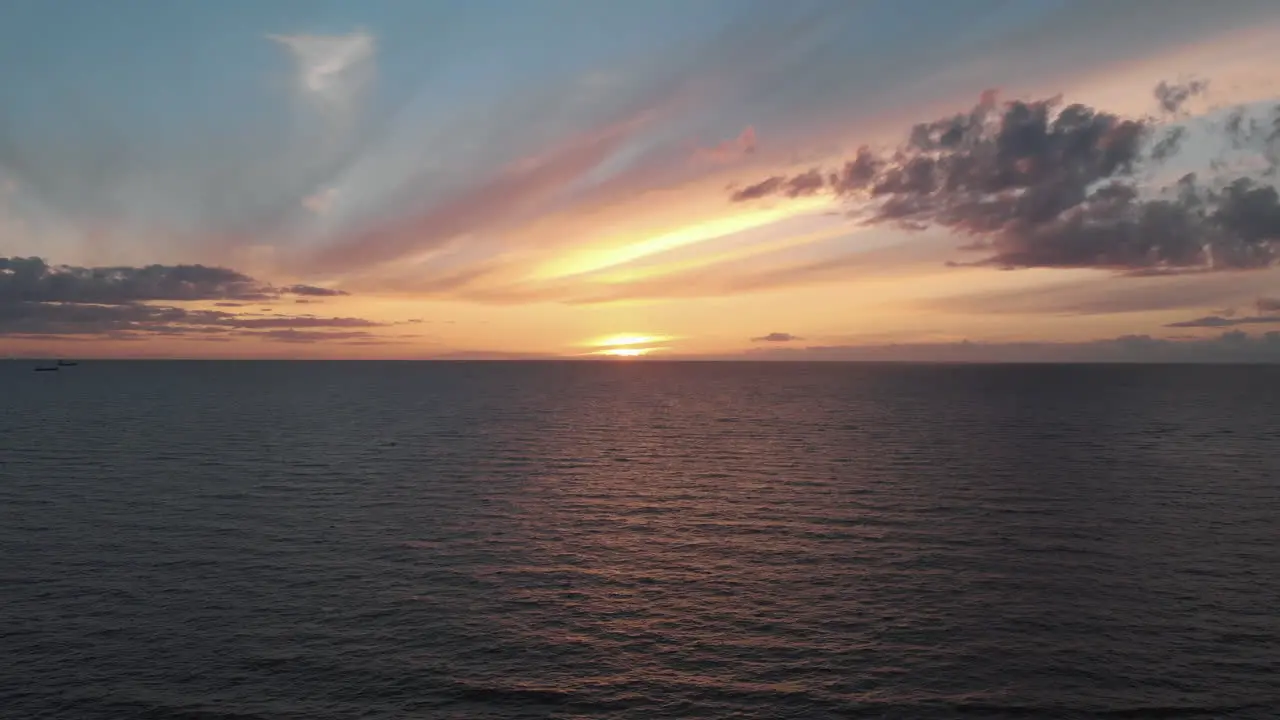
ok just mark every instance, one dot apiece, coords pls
pixel 627 339
pixel 629 275
pixel 620 252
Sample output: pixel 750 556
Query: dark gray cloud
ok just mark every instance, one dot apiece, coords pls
pixel 38 318
pixel 858 173
pixel 1040 184
pixel 1260 133
pixel 303 321
pixel 1172 96
pixel 33 318
pixel 805 183
pixel 1268 314
pixel 39 300
pixel 35 280
pixel 314 336
pixel 311 291
pixel 777 337
pixel 1218 321
pixel 764 188
pixel 1168 145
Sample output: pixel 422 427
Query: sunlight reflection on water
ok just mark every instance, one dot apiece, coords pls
pixel 639 540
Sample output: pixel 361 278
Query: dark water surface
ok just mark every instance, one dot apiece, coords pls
pixel 638 540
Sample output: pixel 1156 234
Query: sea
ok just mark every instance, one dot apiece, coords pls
pixel 341 540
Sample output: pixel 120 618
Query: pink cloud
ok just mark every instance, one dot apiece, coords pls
pixel 729 150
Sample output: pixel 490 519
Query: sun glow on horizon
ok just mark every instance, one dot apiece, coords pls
pixel 626 345
pixel 625 352
pixel 626 339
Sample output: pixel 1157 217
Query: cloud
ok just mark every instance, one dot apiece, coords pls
pixel 34 280
pixel 1218 321
pixel 1040 184
pixel 806 183
pixel 764 188
pixel 1230 346
pixel 321 202
pixel 42 300
pixel 1100 293
pixel 303 321
pixel 729 150
pixel 311 291
pixel 1268 314
pixel 45 318
pixel 1173 96
pixel 494 355
pixel 311 336
pixel 325 62
pixel 48 318
pixel 777 337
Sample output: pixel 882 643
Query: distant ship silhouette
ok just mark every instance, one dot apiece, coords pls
pixel 56 366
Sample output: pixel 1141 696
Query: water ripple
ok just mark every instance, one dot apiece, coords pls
pixel 339 540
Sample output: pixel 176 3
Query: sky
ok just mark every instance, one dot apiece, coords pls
pixel 985 180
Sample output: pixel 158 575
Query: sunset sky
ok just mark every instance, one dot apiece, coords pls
pixel 825 179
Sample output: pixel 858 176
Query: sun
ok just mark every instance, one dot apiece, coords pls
pixel 625 352
pixel 625 345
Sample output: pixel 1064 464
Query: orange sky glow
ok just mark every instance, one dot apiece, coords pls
pixel 598 245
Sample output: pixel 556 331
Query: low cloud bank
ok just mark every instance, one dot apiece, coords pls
pixel 41 300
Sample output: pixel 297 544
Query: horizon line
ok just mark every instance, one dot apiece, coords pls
pixel 665 361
